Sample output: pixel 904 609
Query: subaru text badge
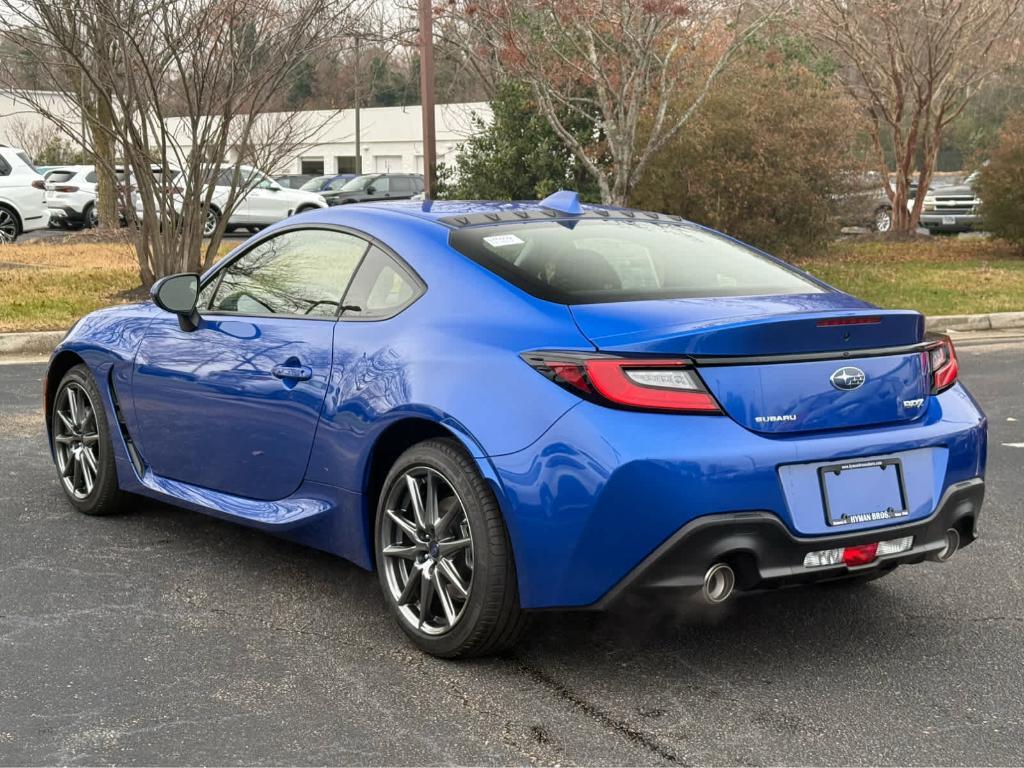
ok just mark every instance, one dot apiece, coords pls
pixel 848 378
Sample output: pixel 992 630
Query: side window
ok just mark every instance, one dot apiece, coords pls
pixel 401 185
pixel 380 185
pixel 5 167
pixel 304 272
pixel 91 177
pixel 381 289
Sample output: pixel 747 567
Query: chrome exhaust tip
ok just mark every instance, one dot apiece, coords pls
pixel 951 545
pixel 719 582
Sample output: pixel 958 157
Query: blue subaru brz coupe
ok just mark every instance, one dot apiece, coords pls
pixel 503 407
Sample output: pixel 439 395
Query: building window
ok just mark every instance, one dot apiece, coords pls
pixel 313 166
pixel 387 163
pixel 347 164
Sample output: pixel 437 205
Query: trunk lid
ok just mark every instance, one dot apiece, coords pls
pixel 781 364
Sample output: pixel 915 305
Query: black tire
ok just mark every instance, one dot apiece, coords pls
pixel 90 219
pixel 10 225
pixel 490 620
pixel 104 497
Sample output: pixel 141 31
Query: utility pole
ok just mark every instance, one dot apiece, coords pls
pixel 359 153
pixel 427 97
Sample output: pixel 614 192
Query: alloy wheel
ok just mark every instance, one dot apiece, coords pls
pixel 76 440
pixel 210 223
pixel 427 551
pixel 8 226
pixel 94 217
pixel 883 220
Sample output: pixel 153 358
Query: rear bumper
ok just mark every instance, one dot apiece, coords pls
pixel 602 490
pixel 65 213
pixel 765 554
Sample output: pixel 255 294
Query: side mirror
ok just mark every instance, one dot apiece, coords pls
pixel 178 294
pixel 371 190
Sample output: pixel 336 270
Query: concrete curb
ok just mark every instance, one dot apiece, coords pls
pixel 43 342
pixel 996 321
pixel 31 343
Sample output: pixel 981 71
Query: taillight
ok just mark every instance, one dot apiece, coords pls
pixel 38 184
pixel 942 364
pixel 640 383
pixel 65 188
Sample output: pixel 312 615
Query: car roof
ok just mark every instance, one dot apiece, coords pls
pixel 456 214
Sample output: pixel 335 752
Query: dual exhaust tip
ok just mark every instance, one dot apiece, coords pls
pixel 720 579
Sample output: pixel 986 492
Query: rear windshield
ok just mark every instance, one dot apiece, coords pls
pixel 593 261
pixel 59 177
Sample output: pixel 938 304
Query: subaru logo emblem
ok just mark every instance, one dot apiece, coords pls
pixel 848 378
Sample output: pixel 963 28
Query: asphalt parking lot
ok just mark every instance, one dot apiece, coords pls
pixel 165 637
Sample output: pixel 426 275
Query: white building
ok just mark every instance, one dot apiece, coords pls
pixel 391 138
pixel 21 123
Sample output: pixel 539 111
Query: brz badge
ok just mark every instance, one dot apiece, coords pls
pixel 917 402
pixel 848 378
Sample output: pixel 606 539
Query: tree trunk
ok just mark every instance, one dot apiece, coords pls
pixel 105 157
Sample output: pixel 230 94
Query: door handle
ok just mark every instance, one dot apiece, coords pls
pixel 296 372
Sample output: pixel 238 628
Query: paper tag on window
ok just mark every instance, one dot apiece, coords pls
pixel 499 240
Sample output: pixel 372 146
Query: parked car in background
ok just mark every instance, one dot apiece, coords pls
pixel 22 206
pixel 266 202
pixel 71 196
pixel 953 208
pixel 329 186
pixel 293 180
pixel 378 186
pixel 865 204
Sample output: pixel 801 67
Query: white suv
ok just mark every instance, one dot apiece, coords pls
pixel 265 203
pixel 71 195
pixel 21 195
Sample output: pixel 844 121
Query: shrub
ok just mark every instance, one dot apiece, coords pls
pixel 767 158
pixel 516 156
pixel 1001 184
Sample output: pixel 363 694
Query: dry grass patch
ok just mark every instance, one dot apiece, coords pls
pixel 46 286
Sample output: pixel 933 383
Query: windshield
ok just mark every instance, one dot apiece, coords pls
pixel 357 184
pixel 314 184
pixel 586 262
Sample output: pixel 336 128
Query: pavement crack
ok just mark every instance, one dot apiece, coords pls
pixel 595 713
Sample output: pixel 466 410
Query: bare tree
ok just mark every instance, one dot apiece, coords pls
pixel 626 67
pixel 913 66
pixel 183 88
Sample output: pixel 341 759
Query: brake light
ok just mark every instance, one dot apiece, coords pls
pixel 849 321
pixel 38 184
pixel 64 188
pixel 638 383
pixel 943 365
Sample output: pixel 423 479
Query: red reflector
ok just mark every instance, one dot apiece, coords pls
pixel 860 555
pixel 849 321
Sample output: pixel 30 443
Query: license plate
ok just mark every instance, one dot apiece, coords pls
pixel 863 491
pixel 948 221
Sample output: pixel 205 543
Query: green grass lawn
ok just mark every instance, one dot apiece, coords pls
pixel 936 275
pixel 48 285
